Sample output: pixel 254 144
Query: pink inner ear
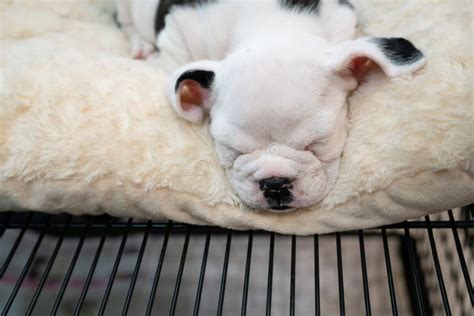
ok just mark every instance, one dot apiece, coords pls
pixel 191 94
pixel 360 66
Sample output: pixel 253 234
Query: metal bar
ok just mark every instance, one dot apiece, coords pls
pixel 136 270
pixel 268 311
pixel 113 273
pixel 174 300
pixel 410 246
pixel 388 265
pixel 365 280
pixel 4 223
pixel 340 275
pixel 462 260
pixel 85 289
pixel 414 273
pixel 439 273
pixel 247 275
pixel 434 224
pixel 18 239
pixel 72 265
pixel 202 273
pixel 23 273
pixel 220 304
pixel 47 270
pixel 293 275
pixel 317 290
pixel 159 266
pixel 468 212
pixel 119 227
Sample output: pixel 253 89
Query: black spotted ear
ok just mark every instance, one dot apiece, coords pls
pixel 189 90
pixel 395 56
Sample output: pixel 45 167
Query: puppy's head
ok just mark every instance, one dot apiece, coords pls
pixel 278 115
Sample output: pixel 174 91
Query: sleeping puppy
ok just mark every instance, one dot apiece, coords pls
pixel 274 76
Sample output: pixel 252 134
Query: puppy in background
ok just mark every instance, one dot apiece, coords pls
pixel 273 76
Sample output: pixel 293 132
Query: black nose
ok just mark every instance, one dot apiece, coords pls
pixel 275 183
pixel 277 192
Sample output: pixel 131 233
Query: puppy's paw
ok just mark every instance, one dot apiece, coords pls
pixel 141 49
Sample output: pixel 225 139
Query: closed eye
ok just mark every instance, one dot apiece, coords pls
pixel 237 152
pixel 234 153
pixel 315 147
pixel 311 146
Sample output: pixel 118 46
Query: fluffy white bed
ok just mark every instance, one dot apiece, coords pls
pixel 86 129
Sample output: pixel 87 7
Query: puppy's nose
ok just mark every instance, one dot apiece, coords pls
pixel 275 184
pixel 277 192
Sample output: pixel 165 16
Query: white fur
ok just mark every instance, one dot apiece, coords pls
pixel 136 19
pixel 85 129
pixel 258 49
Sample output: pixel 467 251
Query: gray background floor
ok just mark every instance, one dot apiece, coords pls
pixel 353 288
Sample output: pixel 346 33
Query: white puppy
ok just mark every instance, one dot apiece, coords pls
pixel 274 76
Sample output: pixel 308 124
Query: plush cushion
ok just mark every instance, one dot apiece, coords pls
pixel 86 129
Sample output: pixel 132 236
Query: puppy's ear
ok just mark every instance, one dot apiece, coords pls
pixel 395 56
pixel 189 90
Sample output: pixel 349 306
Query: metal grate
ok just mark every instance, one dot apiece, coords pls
pixel 65 265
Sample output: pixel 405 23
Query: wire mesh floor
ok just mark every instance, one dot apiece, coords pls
pixel 64 265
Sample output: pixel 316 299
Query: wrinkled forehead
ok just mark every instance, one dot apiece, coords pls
pixel 294 131
pixel 272 102
pixel 271 69
pixel 269 87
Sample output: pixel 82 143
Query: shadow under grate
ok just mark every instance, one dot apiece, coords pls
pixel 65 265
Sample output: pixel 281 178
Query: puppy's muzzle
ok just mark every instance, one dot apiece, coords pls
pixel 277 192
